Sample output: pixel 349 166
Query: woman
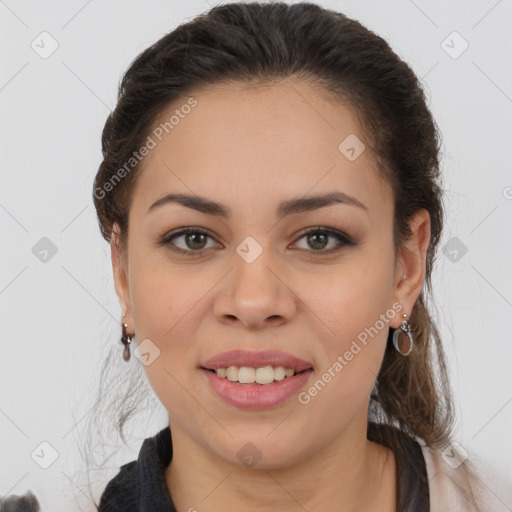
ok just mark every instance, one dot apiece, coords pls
pixel 270 191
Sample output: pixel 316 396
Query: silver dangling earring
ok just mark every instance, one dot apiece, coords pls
pixel 406 328
pixel 126 339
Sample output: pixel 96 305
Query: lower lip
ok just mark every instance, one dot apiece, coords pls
pixel 257 396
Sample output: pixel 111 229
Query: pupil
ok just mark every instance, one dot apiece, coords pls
pixel 193 236
pixel 321 236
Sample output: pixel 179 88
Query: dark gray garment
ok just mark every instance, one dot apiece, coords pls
pixel 140 485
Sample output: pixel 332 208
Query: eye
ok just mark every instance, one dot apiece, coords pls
pixel 318 238
pixel 194 240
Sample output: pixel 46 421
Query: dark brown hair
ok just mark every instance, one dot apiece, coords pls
pixel 256 43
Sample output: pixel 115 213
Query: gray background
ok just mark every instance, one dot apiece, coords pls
pixel 57 315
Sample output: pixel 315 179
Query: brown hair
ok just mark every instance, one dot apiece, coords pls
pixel 253 43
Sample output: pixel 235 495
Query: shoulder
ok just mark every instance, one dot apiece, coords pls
pixel 452 486
pixel 140 484
pixel 121 492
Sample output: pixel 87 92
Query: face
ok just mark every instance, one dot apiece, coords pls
pixel 254 279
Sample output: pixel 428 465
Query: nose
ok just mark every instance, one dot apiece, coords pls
pixel 255 294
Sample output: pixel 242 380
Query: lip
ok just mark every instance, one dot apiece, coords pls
pixel 256 359
pixel 256 396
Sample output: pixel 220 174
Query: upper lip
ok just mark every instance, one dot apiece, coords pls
pixel 256 359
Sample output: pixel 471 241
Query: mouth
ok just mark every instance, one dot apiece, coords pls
pixel 256 367
pixel 264 391
pixel 250 375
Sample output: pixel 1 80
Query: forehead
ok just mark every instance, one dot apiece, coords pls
pixel 283 139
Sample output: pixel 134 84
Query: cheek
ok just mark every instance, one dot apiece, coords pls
pixel 170 304
pixel 164 296
pixel 353 307
pixel 350 299
pixel 162 311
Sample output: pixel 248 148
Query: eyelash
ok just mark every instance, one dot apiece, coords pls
pixel 344 240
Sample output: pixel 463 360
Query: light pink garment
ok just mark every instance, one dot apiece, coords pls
pixel 444 483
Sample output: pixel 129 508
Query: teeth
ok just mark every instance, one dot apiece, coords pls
pixel 248 375
pixel 232 373
pixel 221 372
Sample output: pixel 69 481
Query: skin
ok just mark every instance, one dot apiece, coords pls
pixel 250 149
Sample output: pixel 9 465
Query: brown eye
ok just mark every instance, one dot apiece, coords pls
pixel 193 241
pixel 318 239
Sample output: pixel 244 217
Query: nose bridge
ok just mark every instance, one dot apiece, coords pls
pixel 256 292
pixel 254 270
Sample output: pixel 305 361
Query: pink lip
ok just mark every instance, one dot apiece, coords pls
pixel 256 359
pixel 256 396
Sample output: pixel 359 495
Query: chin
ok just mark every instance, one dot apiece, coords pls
pixel 259 451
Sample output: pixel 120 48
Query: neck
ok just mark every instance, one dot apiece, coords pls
pixel 350 474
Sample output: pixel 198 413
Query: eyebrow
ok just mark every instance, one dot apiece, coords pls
pixel 289 207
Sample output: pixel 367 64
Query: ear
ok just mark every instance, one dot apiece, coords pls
pixel 411 264
pixel 120 271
